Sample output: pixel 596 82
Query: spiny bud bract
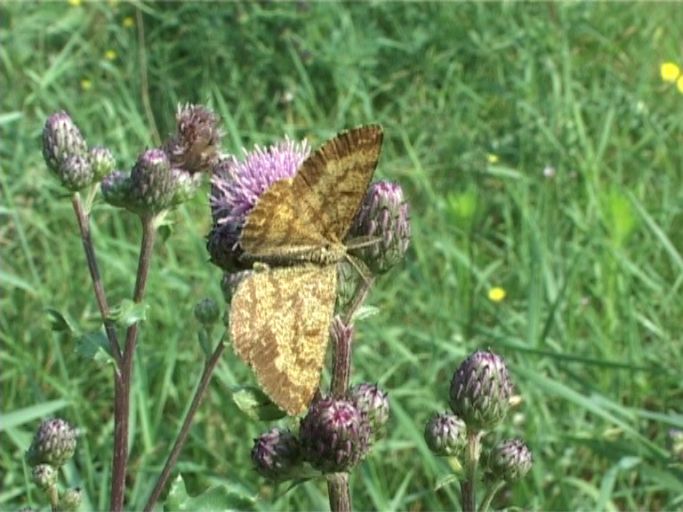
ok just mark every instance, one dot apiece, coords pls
pixel 102 162
pixel 510 460
pixel 373 403
pixel 44 476
pixel 383 216
pixel 445 434
pixel 54 443
pixel 207 311
pixel 334 435
pixel 71 500
pixel 76 172
pixel 480 390
pixel 277 454
pixel 151 182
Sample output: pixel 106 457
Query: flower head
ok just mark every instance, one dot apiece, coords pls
pixel 54 443
pixel 236 185
pixel 480 390
pixel 334 435
pixel 669 71
pixel 373 404
pixel 497 294
pixel 206 311
pixel 445 434
pixel 277 454
pixel 510 460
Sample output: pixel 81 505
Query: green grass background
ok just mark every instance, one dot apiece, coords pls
pixel 590 259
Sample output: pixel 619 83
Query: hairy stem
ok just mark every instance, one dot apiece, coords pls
pixel 84 227
pixel 339 492
pixel 467 486
pixel 122 389
pixel 209 367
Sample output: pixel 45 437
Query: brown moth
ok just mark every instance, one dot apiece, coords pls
pixel 280 315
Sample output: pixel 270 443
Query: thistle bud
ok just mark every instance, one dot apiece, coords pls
pixel 61 138
pixel 54 443
pixel 207 311
pixel 152 185
pixel 510 460
pixel 44 476
pixel 383 216
pixel 185 186
pixel 194 146
pixel 334 437
pixel 71 500
pixel 277 455
pixel 445 434
pixel 373 404
pixel 76 172
pixel 480 390
pixel 116 189
pixel 101 161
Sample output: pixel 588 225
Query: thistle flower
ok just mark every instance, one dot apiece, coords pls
pixel 373 404
pixel 445 434
pixel 65 152
pixel 236 185
pixel 383 215
pixel 44 476
pixel 334 437
pixel 510 460
pixel 194 147
pixel 480 390
pixel 207 311
pixel 54 443
pixel 277 454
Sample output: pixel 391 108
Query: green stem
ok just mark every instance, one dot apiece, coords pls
pixel 467 486
pixel 339 492
pixel 490 494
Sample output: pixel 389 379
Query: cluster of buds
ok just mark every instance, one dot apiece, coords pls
pixel 334 436
pixel 53 445
pixel 168 176
pixel 480 396
pixel 67 156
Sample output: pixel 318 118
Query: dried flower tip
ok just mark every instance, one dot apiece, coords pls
pixel 61 139
pixel 71 500
pixel 480 390
pixel 194 147
pixel 44 476
pixel 102 162
pixel 277 455
pixel 510 460
pixel 383 216
pixel 207 311
pixel 373 404
pixel 54 443
pixel 334 436
pixel 445 434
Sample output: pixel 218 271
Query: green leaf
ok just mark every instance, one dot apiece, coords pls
pixel 20 417
pixel 59 322
pixel 255 403
pixel 95 346
pixel 220 497
pixel 128 313
pixel 445 481
pixel 364 312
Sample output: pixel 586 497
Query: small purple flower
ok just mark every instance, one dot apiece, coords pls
pixel 236 186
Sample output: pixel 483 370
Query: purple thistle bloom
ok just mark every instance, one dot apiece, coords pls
pixel 237 185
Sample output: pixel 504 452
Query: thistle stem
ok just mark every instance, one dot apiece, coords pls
pixel 339 492
pixel 209 366
pixel 122 388
pixel 490 494
pixel 467 486
pixel 84 227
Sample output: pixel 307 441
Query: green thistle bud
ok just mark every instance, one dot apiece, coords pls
pixel 207 311
pixel 152 184
pixel 383 215
pixel 194 147
pixel 116 189
pixel 510 460
pixel 445 434
pixel 44 476
pixel 71 500
pixel 61 139
pixel 102 162
pixel 54 443
pixel 277 455
pixel 480 390
pixel 373 404
pixel 334 436
pixel 76 172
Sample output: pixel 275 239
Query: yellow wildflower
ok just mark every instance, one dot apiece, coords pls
pixel 86 84
pixel 74 3
pixel 496 294
pixel 492 158
pixel 128 22
pixel 679 84
pixel 669 71
pixel 110 55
